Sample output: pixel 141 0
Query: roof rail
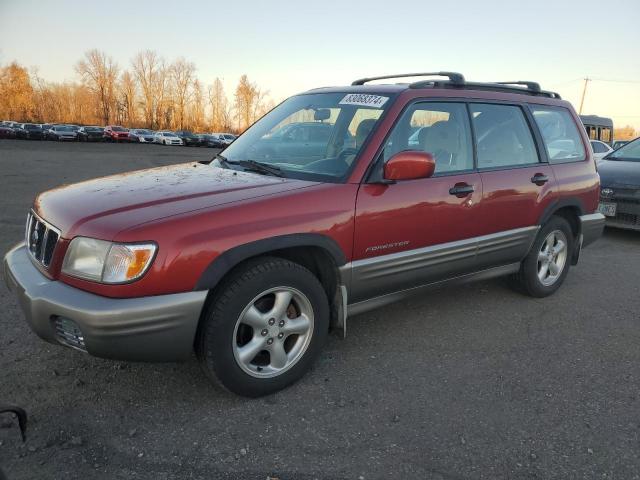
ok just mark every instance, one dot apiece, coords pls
pixel 521 87
pixel 457 80
pixel 533 86
pixel 454 78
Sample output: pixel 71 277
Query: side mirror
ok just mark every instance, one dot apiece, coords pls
pixel 409 165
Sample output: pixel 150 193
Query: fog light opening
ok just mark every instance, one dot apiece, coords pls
pixel 68 333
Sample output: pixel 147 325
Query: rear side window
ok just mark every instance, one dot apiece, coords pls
pixel 560 134
pixel 503 136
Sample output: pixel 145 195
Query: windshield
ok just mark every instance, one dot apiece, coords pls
pixel 169 134
pixel 628 153
pixel 65 129
pixel 93 129
pixel 312 136
pixel 118 129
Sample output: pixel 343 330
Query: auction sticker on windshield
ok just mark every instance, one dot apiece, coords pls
pixel 364 100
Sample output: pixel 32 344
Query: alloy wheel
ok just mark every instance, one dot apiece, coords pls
pixel 273 332
pixel 552 258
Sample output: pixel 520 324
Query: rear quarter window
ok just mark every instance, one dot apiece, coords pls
pixel 560 134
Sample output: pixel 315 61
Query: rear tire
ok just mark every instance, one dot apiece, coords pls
pixel 547 264
pixel 264 327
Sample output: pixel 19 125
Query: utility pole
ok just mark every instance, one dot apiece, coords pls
pixel 584 91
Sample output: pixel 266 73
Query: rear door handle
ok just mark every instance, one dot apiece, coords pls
pixel 539 179
pixel 461 190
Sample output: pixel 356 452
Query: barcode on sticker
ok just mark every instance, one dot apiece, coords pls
pixel 364 100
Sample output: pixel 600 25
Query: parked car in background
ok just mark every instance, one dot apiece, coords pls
pixel 74 127
pixel 225 138
pixel 62 133
pixel 600 149
pixel 116 133
pixel 20 132
pixel 251 260
pixel 167 138
pixel 45 128
pixel 34 131
pixel 7 132
pixel 141 135
pixel 91 134
pixel 620 143
pixel 189 139
pixel 620 186
pixel 207 140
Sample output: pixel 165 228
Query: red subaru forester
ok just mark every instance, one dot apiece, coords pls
pixel 337 201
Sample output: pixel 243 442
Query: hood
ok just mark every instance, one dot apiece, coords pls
pixel 103 207
pixel 616 173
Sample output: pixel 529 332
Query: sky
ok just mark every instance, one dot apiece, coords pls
pixel 290 46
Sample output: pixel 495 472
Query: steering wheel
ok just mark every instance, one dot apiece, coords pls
pixel 336 161
pixel 346 152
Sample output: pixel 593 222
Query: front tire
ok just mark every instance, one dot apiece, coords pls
pixel 547 264
pixel 264 327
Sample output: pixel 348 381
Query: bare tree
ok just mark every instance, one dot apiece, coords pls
pixel 99 72
pixel 220 112
pixel 164 110
pixel 249 102
pixel 16 92
pixel 197 116
pixel 147 66
pixel 128 97
pixel 181 74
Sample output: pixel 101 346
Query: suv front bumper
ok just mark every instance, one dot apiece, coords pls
pixel 159 328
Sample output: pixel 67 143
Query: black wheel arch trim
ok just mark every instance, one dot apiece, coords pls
pixel 227 260
pixel 557 205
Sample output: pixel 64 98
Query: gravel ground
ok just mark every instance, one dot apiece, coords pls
pixel 495 386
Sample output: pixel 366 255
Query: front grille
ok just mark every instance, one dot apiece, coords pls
pixel 68 333
pixel 41 239
pixel 625 219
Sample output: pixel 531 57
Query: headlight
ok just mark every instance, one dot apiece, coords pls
pixel 107 262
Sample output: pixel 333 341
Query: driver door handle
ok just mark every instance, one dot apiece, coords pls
pixel 539 179
pixel 461 190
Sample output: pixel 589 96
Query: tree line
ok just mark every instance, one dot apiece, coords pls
pixel 150 92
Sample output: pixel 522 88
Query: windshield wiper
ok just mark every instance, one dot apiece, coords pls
pixel 251 165
pixel 222 159
pixel 259 167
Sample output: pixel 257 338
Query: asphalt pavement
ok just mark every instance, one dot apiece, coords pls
pixel 473 382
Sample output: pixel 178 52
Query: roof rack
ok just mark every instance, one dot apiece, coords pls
pixel 454 78
pixel 521 87
pixel 533 86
